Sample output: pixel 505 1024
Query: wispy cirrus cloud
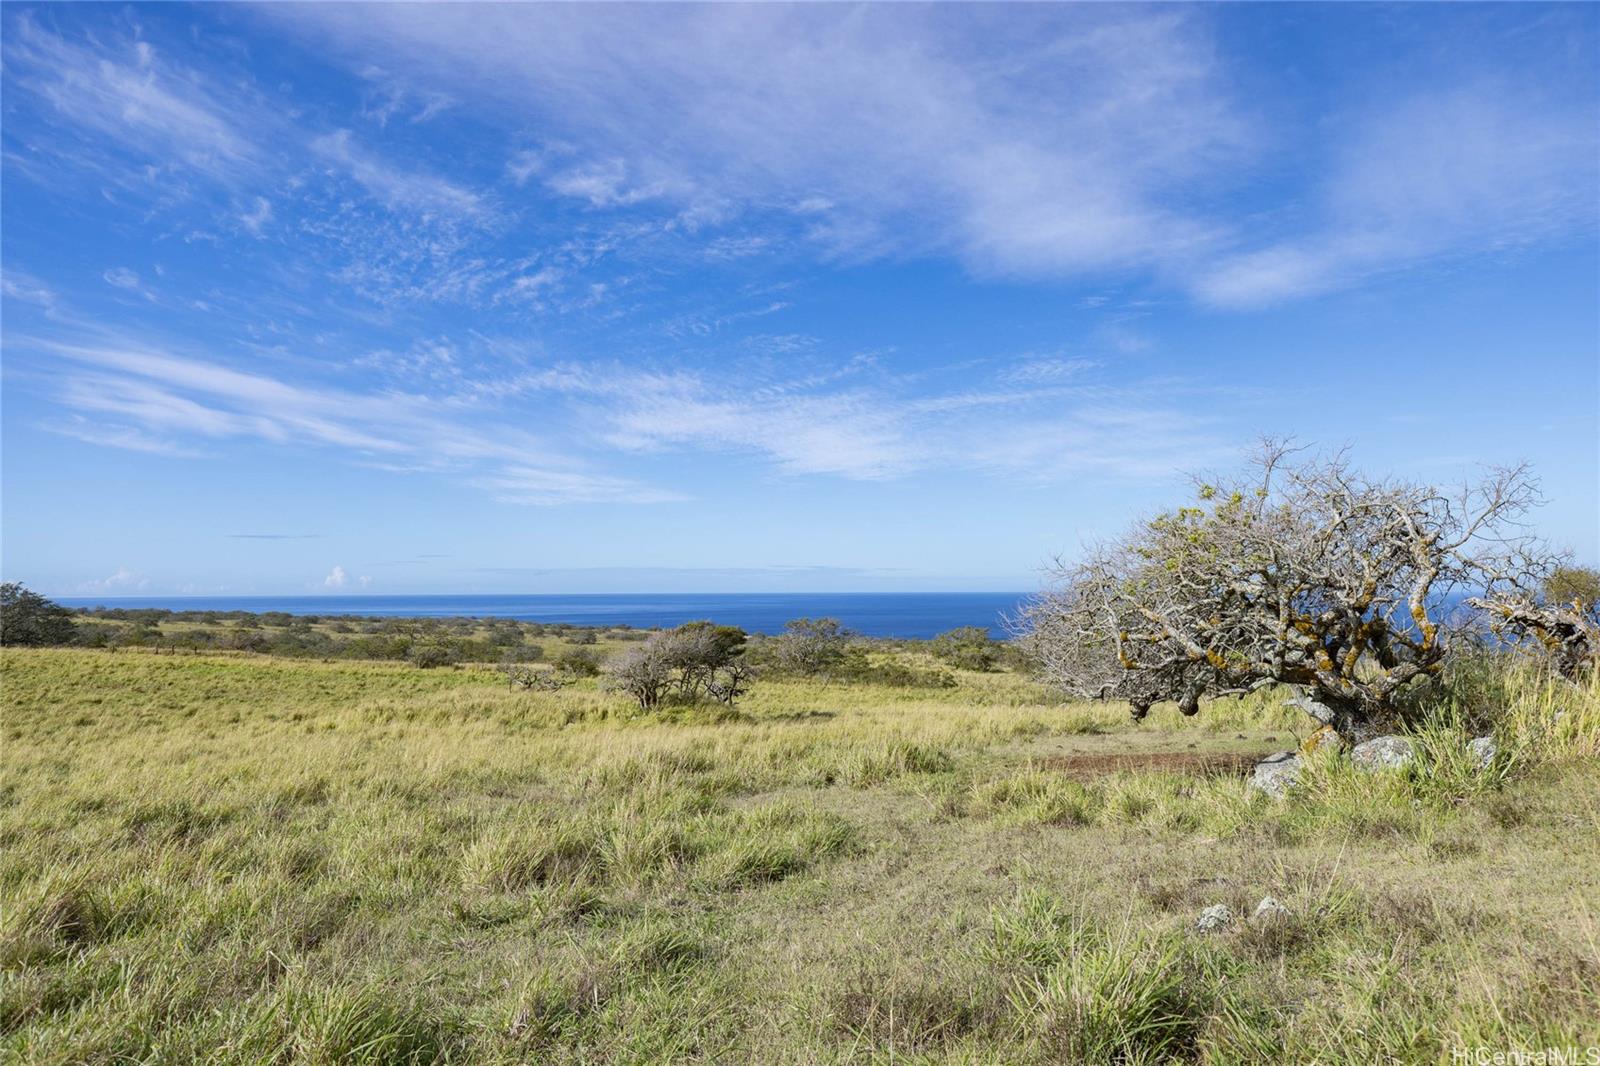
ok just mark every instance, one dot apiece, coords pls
pixel 832 425
pixel 122 437
pixel 541 486
pixel 1031 419
pixel 389 97
pixel 273 536
pixel 395 186
pixel 145 399
pixel 257 217
pixel 200 145
pixel 120 91
pixel 879 129
pixel 1052 141
pixel 16 285
pixel 1479 167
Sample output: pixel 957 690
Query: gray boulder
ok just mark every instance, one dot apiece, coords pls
pixel 1214 919
pixel 1276 774
pixel 1382 753
pixel 1483 751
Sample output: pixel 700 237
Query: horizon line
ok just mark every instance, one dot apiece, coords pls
pixel 404 595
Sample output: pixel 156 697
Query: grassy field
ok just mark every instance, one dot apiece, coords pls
pixel 236 858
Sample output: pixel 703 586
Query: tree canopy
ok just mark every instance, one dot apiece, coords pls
pixel 28 618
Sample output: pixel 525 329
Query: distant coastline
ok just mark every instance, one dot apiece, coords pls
pixel 912 615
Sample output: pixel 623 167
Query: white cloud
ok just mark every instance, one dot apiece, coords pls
pixel 124 580
pixel 740 247
pixel 15 285
pixel 121 89
pixel 1037 418
pixel 392 185
pixel 1036 428
pixel 529 286
pixel 530 485
pixel 1048 370
pixel 122 278
pixel 603 184
pixel 1042 141
pixel 887 132
pixel 336 578
pixel 256 219
pixel 1445 173
pixel 391 96
pixel 126 438
pixel 146 399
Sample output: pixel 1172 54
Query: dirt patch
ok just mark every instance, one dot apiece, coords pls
pixel 1190 763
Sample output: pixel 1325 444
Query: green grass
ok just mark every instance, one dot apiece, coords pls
pixel 236 859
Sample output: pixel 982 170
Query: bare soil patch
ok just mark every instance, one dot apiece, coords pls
pixel 1191 763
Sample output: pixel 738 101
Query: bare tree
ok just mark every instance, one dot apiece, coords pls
pixel 1304 573
pixel 645 673
pixel 730 681
pixel 700 653
pixel 697 660
pixel 810 646
pixel 522 675
pixel 1558 620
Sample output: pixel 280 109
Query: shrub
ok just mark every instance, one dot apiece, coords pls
pixel 811 646
pixel 430 656
pixel 967 648
pixel 644 673
pixel 577 662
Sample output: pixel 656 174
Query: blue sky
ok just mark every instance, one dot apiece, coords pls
pixel 320 298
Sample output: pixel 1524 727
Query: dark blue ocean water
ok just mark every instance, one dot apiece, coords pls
pixel 875 614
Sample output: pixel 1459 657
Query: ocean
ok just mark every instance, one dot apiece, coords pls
pixel 874 614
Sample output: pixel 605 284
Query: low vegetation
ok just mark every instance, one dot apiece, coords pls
pixel 233 857
pixel 404 841
pixel 425 642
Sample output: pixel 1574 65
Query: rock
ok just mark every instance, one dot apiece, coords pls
pixel 1323 738
pixel 1214 919
pixel 1276 774
pixel 1382 753
pixel 1269 910
pixel 1315 708
pixel 1483 751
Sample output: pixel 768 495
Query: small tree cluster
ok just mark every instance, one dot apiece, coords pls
pixel 524 676
pixel 695 661
pixel 811 646
pixel 27 618
pixel 1306 574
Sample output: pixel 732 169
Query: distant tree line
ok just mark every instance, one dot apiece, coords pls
pixel 701 661
pixel 27 618
pixel 694 662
